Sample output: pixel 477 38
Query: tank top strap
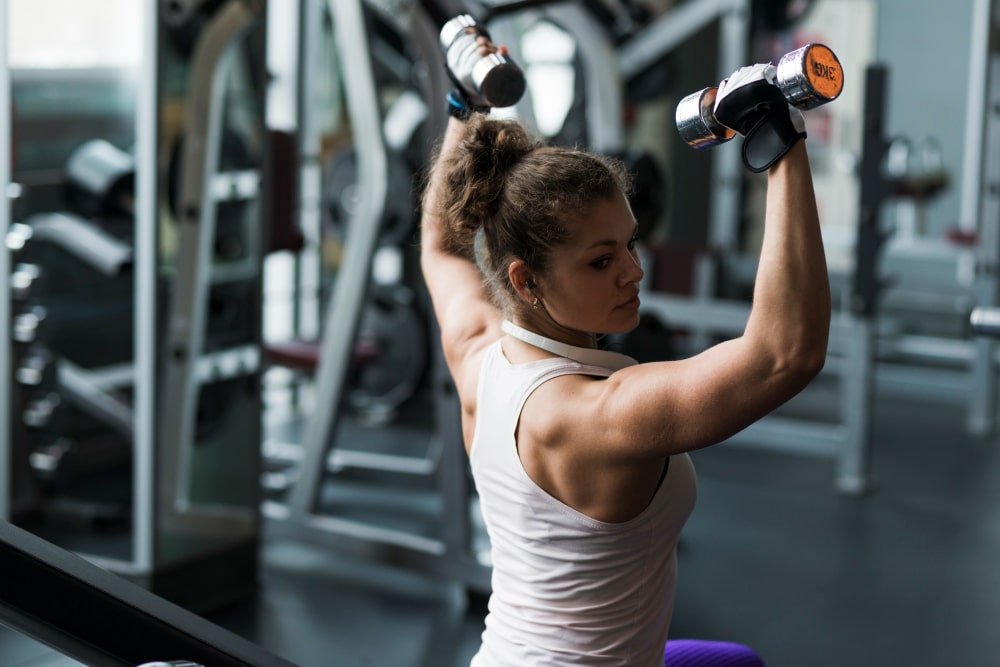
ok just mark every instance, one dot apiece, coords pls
pixel 504 388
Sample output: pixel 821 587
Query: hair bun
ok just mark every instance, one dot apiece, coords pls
pixel 478 171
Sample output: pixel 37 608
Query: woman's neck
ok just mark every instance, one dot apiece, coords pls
pixel 543 324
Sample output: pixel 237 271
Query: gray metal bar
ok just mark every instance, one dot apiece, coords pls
pixel 6 450
pixel 310 170
pixel 794 436
pixel 144 297
pixel 339 459
pixel 283 23
pixel 941 385
pixel 419 553
pixel 975 114
pixel 669 31
pixel 727 171
pixel 981 417
pixel 856 400
pixel 722 316
pixel 347 299
pixel 420 466
pixel 196 231
pixel 605 133
pixel 369 533
pixel 93 400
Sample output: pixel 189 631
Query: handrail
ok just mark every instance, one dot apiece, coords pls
pixel 101 619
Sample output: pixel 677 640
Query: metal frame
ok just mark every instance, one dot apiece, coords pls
pixel 980 203
pixel 141 421
pixel 599 58
pixel 347 299
pixel 6 483
pixel 193 277
pixel 298 519
pixel 156 500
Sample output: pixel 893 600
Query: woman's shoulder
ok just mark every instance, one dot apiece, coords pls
pixel 557 409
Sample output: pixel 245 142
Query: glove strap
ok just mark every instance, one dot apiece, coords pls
pixel 460 106
pixel 459 100
pixel 768 140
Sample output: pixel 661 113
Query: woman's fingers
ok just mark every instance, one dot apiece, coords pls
pixel 486 48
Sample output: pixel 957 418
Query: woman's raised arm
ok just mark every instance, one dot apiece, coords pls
pixel 467 319
pixel 659 409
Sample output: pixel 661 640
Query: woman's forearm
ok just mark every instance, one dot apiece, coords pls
pixel 791 305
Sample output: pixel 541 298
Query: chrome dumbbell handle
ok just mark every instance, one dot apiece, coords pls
pixel 493 80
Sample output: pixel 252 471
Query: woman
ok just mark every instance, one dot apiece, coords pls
pixel 580 455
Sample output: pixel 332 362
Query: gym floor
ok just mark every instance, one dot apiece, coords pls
pixel 772 557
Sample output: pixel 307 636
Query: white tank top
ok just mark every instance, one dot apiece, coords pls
pixel 568 589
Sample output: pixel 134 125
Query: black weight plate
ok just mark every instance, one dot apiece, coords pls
pixel 393 333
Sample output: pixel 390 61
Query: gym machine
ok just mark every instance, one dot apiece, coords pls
pixel 346 485
pixel 980 202
pixel 101 619
pixel 165 384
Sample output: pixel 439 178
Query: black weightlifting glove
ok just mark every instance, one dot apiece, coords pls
pixel 750 103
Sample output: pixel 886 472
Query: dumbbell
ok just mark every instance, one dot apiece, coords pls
pixel 808 77
pixel 494 79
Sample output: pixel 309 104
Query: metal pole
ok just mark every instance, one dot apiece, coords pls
pixel 980 190
pixel 727 172
pixel 6 449
pixel 308 264
pixel 857 395
pixel 347 299
pixel 144 342
pixel 185 333
pixel 975 114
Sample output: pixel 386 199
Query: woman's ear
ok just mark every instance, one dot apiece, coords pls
pixel 521 280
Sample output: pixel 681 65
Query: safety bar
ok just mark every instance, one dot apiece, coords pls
pixel 100 619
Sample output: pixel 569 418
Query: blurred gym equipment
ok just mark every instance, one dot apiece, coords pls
pixel 136 347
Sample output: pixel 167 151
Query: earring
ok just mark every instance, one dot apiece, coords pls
pixel 534 304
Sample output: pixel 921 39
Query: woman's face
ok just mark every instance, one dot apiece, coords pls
pixel 592 284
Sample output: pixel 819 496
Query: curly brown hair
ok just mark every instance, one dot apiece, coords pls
pixel 506 195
